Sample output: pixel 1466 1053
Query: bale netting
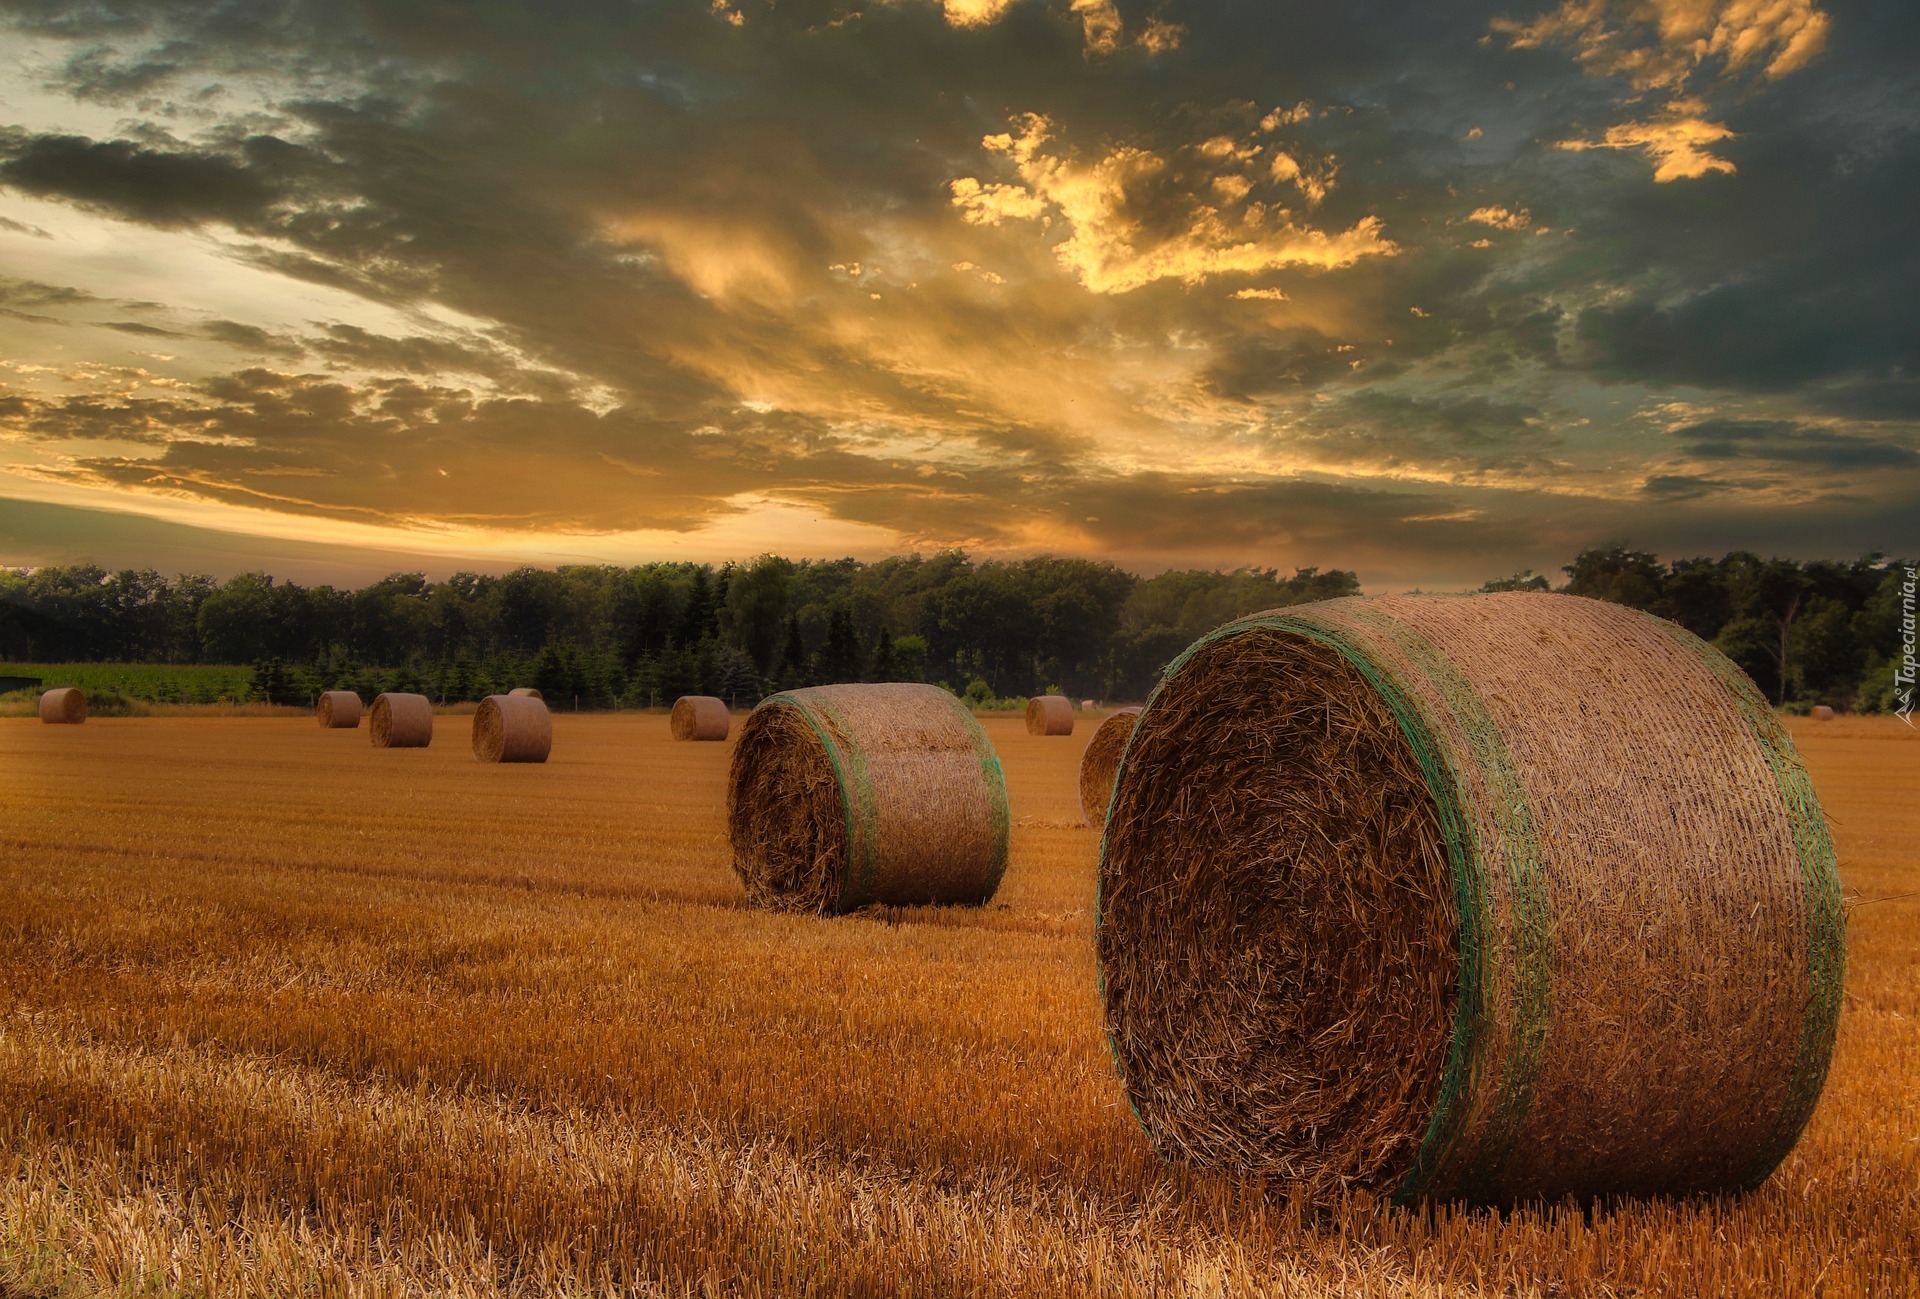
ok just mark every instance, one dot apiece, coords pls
pixel 1101 762
pixel 400 721
pixel 1416 896
pixel 63 706
pixel 512 728
pixel 841 796
pixel 527 692
pixel 700 717
pixel 338 710
pixel 1049 715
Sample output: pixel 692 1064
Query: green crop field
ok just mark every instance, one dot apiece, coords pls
pixel 159 683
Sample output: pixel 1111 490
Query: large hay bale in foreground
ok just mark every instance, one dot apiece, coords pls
pixel 1049 715
pixel 527 692
pixel 700 717
pixel 1101 763
pixel 512 728
pixel 338 710
pixel 1415 895
pixel 63 706
pixel 841 796
pixel 400 721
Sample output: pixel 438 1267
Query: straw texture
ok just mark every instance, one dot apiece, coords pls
pixel 527 692
pixel 843 796
pixel 512 728
pixel 1049 715
pixel 1101 762
pixel 400 722
pixel 700 717
pixel 63 706
pixel 338 710
pixel 1412 895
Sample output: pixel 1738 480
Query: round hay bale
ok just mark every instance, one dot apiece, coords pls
pixel 401 721
pixel 1088 705
pixel 1049 715
pixel 1413 895
pixel 1822 713
pixel 1101 762
pixel 527 692
pixel 338 710
pixel 63 706
pixel 512 728
pixel 700 717
pixel 841 796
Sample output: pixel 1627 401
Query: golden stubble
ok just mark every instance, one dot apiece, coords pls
pixel 284 1012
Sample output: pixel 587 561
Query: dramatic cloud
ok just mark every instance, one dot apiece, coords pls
pixel 1176 282
pixel 1135 216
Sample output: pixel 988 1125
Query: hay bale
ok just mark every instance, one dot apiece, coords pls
pixel 1101 763
pixel 338 710
pixel 1822 713
pixel 1088 705
pixel 700 717
pixel 512 728
pixel 401 721
pixel 527 692
pixel 63 706
pixel 841 796
pixel 1414 895
pixel 1049 715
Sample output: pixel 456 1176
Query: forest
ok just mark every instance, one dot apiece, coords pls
pixel 591 636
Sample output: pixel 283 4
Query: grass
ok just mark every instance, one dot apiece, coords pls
pixel 281 1013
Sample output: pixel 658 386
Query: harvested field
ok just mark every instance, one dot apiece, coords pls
pixel 254 1041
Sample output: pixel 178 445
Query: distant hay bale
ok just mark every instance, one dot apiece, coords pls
pixel 338 710
pixel 1822 713
pixel 841 796
pixel 63 706
pixel 700 717
pixel 1414 895
pixel 526 692
pixel 512 728
pixel 1101 762
pixel 1049 715
pixel 1088 705
pixel 401 721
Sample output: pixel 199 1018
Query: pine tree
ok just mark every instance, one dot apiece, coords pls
pixel 840 657
pixel 696 620
pixel 792 672
pixel 884 668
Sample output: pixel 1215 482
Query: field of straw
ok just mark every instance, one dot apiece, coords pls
pixel 281 1013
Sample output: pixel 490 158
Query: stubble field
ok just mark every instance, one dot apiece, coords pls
pixel 281 1013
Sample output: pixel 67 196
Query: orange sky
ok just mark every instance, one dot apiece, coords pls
pixel 1174 284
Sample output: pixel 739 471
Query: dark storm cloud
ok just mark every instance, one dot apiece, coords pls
pixel 1792 444
pixel 694 258
pixel 149 185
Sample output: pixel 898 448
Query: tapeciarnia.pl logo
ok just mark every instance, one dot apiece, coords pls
pixel 1903 671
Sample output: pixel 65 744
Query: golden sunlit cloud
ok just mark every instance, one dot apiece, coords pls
pixel 1501 219
pixel 1659 44
pixel 1110 249
pixel 1679 142
pixel 1671 45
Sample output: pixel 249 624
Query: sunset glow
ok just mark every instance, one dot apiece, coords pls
pixel 351 289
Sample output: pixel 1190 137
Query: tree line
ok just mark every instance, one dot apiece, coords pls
pixel 605 636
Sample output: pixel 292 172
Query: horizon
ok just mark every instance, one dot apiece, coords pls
pixel 334 292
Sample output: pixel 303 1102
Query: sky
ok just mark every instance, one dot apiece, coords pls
pixel 1434 292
